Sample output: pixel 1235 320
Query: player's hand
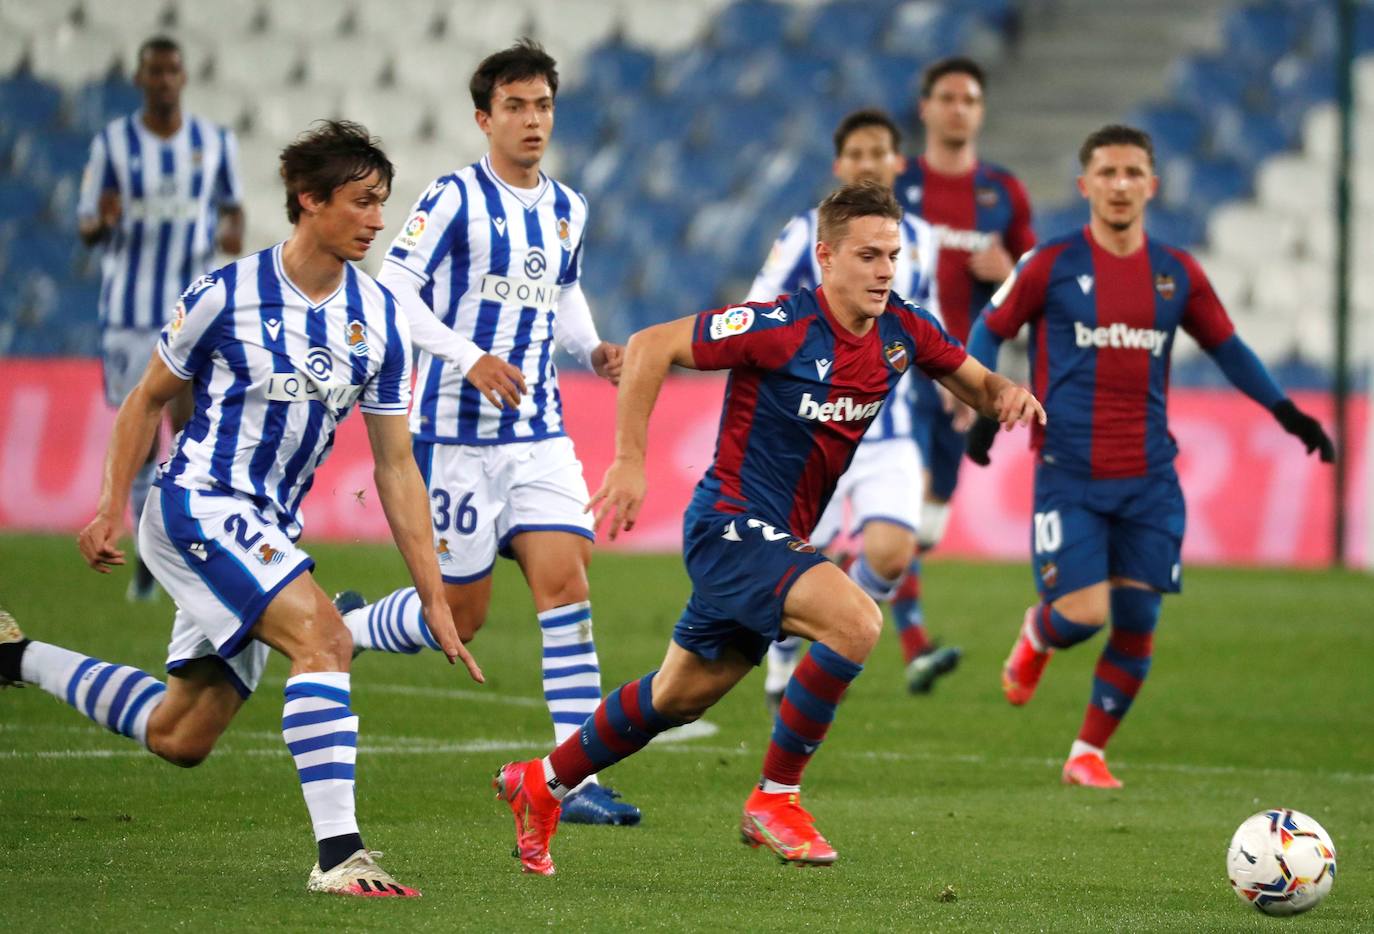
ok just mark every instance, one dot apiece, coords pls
pixel 1015 405
pixel 607 359
pixel 978 441
pixel 99 544
pixel 439 619
pixel 1297 422
pixel 992 263
pixel 499 383
pixel 620 496
pixel 962 415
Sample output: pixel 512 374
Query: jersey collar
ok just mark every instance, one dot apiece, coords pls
pixel 528 197
pixel 281 273
pixel 841 332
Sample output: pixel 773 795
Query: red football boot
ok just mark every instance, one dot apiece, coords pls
pixel 1090 771
pixel 779 822
pixel 1022 670
pixel 521 785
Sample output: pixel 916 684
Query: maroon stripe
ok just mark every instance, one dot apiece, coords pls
pixel 821 683
pixel 800 723
pixel 1098 727
pixel 629 702
pixel 1123 291
pixel 620 745
pixel 782 766
pixel 1117 678
pixel 1133 644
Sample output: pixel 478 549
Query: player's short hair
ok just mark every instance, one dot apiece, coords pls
pixel 1116 134
pixel 862 199
pixel 156 44
pixel 521 62
pixel 954 65
pixel 859 119
pixel 326 157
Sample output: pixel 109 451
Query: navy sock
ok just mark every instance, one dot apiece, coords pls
pixel 334 850
pixel 11 656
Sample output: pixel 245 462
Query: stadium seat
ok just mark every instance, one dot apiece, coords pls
pixel 216 18
pixel 1209 82
pixel 846 24
pixel 571 28
pixel 403 25
pixel 1253 234
pixel 279 118
pixel 615 68
pixel 752 24
pixel 95 104
pixel 1175 129
pixel 1261 34
pixel 357 63
pixel 28 18
pixel 225 106
pixel 480 27
pixel 268 64
pixel 12 49
pixel 62 153
pixel 399 118
pixel 27 101
pixel 1294 184
pixel 20 200
pixel 665 27
pixel 70 57
pixel 127 18
pixel 1230 279
pixel 322 20
pixel 1204 182
pixel 1248 137
pixel 929 29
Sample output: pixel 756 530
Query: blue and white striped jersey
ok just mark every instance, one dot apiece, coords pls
pixel 492 262
pixel 171 191
pixel 791 265
pixel 274 374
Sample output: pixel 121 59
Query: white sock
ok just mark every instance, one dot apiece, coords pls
pixel 1033 636
pixel 395 623
pixel 770 787
pixel 117 697
pixel 871 582
pixel 572 674
pixel 782 661
pixel 322 733
pixel 1080 748
pixel 556 788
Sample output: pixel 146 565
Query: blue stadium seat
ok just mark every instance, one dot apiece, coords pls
pixel 1176 130
pixel 1060 220
pixel 101 101
pixel 49 253
pixel 751 24
pixel 928 31
pixel 1261 34
pixel 1175 226
pixel 59 154
pixel 847 23
pixel 801 75
pixel 29 102
pixel 1208 182
pixel 615 66
pixel 1209 82
pixel 1248 137
pixel 19 199
pixel 1300 82
pixel 1000 15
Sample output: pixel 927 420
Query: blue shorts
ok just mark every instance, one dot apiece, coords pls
pixel 1086 531
pixel 942 448
pixel 741 569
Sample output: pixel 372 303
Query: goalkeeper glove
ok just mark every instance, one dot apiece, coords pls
pixel 1305 427
pixel 978 441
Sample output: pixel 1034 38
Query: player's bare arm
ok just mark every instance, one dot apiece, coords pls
pixel 993 395
pixel 134 430
pixel 650 354
pixel 230 238
pixel 406 504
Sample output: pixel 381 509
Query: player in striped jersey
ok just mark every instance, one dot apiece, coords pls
pixel 160 192
pixel 1104 304
pixel 486 270
pixel 883 486
pixel 277 349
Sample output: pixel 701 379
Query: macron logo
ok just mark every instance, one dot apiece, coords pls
pixel 822 368
pixel 1085 283
pixel 843 409
pixel 1121 337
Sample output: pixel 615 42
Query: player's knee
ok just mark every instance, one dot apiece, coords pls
pixel 467 619
pixel 565 588
pixel 178 748
pixel 890 560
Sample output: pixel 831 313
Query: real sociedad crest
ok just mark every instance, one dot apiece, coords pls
pixel 564 233
pixel 357 339
pixel 896 355
pixel 1164 285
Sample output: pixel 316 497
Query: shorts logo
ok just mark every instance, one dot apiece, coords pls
pixel 535 263
pixel 319 363
pixel 1049 573
pixel 1164 285
pixel 413 230
pixel 801 547
pixel 357 339
pixel 197 550
pixel 564 233
pixel 445 556
pixel 730 322
pixel 895 353
pixel 268 555
pixel 986 197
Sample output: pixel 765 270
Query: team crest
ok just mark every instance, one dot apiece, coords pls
pixel 986 197
pixel 357 339
pixel 896 355
pixel 801 547
pixel 1164 285
pixel 445 556
pixel 565 233
pixel 731 321
pixel 1049 573
pixel 266 554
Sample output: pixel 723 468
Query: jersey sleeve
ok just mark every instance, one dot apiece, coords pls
pixel 1204 317
pixel 193 333
pixel 98 177
pixel 228 181
pixel 388 391
pixel 754 335
pixel 937 353
pixel 788 265
pixel 428 234
pixel 1021 298
pixel 1020 235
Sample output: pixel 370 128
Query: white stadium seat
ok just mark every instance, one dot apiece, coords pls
pixel 264 64
pixel 1230 279
pixel 313 20
pixel 34 17
pixel 666 27
pixel 279 118
pixel 142 18
pixel 12 49
pixel 571 28
pixel 225 106
pixel 398 117
pixel 218 17
pixel 1252 234
pixel 70 57
pixel 1294 183
pixel 482 27
pixel 345 63
pixel 401 24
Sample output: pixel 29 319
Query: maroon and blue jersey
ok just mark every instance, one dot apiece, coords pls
pixel 802 392
pixel 1102 330
pixel 967 211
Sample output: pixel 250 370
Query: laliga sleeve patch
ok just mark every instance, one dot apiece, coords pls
pixel 730 322
pixel 178 320
pixel 413 230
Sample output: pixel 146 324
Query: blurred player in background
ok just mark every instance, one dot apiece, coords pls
pixel 787 432
pixel 884 503
pixel 487 270
pixel 982 222
pixel 1104 303
pixel 278 347
pixel 160 192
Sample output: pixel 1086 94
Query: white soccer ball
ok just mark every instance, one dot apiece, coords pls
pixel 1281 861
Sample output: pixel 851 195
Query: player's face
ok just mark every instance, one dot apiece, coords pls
pixel 953 113
pixel 161 77
pixel 868 153
pixel 347 223
pixel 857 270
pixel 520 122
pixel 1118 182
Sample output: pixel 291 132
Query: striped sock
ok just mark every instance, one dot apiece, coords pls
pixel 572 676
pixel 394 623
pixel 1124 664
pixel 907 615
pixel 117 697
pixel 808 707
pixel 871 582
pixel 622 725
pixel 322 734
pixel 1050 630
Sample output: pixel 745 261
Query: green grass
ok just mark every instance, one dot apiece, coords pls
pixel 1261 695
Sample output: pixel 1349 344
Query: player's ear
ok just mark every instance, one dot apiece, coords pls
pixel 824 254
pixel 899 161
pixel 483 120
pixel 1082 183
pixel 1153 189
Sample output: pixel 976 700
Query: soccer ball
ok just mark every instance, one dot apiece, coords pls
pixel 1281 861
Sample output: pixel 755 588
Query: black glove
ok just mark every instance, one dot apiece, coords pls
pixel 978 441
pixel 1304 426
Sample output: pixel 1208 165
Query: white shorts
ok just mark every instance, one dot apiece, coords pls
pixel 222 562
pixel 885 482
pixel 124 355
pixel 482 496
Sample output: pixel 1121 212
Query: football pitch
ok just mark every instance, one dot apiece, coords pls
pixel 946 810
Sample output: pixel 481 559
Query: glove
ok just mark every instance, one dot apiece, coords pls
pixel 1304 426
pixel 978 441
